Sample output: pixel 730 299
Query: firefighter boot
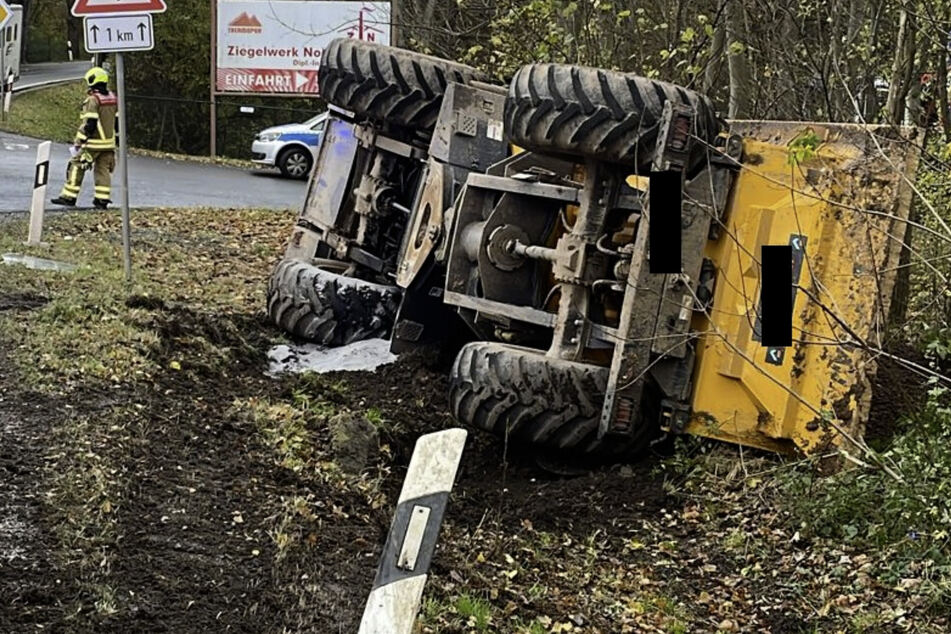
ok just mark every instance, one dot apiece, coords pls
pixel 63 201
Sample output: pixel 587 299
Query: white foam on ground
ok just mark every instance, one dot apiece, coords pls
pixel 38 264
pixel 360 356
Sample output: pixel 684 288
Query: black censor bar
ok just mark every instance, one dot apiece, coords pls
pixel 776 298
pixel 664 231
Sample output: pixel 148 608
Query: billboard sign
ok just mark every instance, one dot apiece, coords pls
pixel 274 46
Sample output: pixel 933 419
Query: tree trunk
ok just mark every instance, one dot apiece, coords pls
pixel 711 71
pixel 941 83
pixel 902 68
pixel 870 105
pixel 913 108
pixel 902 289
pixel 740 83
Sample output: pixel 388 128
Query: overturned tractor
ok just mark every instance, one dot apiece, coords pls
pixel 599 235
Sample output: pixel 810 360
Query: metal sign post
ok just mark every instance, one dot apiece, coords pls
pixel 124 169
pixel 5 14
pixel 115 26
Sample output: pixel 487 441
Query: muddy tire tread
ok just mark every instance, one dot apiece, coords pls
pixel 316 305
pixel 521 394
pixel 601 114
pixel 386 84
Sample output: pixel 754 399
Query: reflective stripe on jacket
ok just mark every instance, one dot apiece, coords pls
pixel 97 130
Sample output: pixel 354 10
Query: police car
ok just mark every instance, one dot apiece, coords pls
pixel 291 148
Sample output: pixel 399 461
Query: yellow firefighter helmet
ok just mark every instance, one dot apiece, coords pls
pixel 96 76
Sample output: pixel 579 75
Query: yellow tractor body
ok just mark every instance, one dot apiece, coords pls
pixel 840 195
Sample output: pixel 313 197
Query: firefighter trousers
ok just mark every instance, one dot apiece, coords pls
pixel 103 164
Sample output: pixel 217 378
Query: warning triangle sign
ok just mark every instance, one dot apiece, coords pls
pixel 117 7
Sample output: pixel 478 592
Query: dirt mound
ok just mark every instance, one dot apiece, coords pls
pixel 210 532
pixel 506 482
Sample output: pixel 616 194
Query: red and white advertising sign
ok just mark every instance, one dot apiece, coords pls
pixel 274 46
pixel 113 7
pixel 267 80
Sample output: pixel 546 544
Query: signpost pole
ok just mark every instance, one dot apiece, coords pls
pixel 120 26
pixel 213 122
pixel 124 168
pixel 3 69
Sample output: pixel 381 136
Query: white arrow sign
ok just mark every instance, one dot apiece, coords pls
pixel 119 33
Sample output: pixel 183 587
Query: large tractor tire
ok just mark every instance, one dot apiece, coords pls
pixel 388 85
pixel 522 395
pixel 601 114
pixel 313 301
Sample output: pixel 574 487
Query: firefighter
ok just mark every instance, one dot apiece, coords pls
pixel 95 143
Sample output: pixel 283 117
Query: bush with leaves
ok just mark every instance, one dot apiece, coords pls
pixel 910 518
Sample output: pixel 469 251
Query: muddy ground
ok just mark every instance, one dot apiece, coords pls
pixel 163 482
pixel 191 550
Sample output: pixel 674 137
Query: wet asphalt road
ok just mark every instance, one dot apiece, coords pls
pixel 152 182
pixel 33 75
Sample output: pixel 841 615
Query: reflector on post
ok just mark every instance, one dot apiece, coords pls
pixel 41 177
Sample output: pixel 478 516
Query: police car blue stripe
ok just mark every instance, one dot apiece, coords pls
pixel 304 137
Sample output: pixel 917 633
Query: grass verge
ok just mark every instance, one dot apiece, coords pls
pixel 47 113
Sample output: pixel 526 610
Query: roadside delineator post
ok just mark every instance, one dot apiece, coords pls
pixel 8 96
pixel 41 177
pixel 404 565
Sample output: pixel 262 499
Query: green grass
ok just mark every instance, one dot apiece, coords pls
pixel 212 261
pixel 49 113
pixel 476 612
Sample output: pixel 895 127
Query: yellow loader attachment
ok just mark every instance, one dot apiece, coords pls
pixel 839 195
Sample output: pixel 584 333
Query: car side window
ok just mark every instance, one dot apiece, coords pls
pixel 319 126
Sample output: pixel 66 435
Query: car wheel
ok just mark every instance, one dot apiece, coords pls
pixel 295 163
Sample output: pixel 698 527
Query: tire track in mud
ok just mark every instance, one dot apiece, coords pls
pixel 31 586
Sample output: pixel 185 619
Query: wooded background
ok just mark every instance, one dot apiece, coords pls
pixel 838 60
